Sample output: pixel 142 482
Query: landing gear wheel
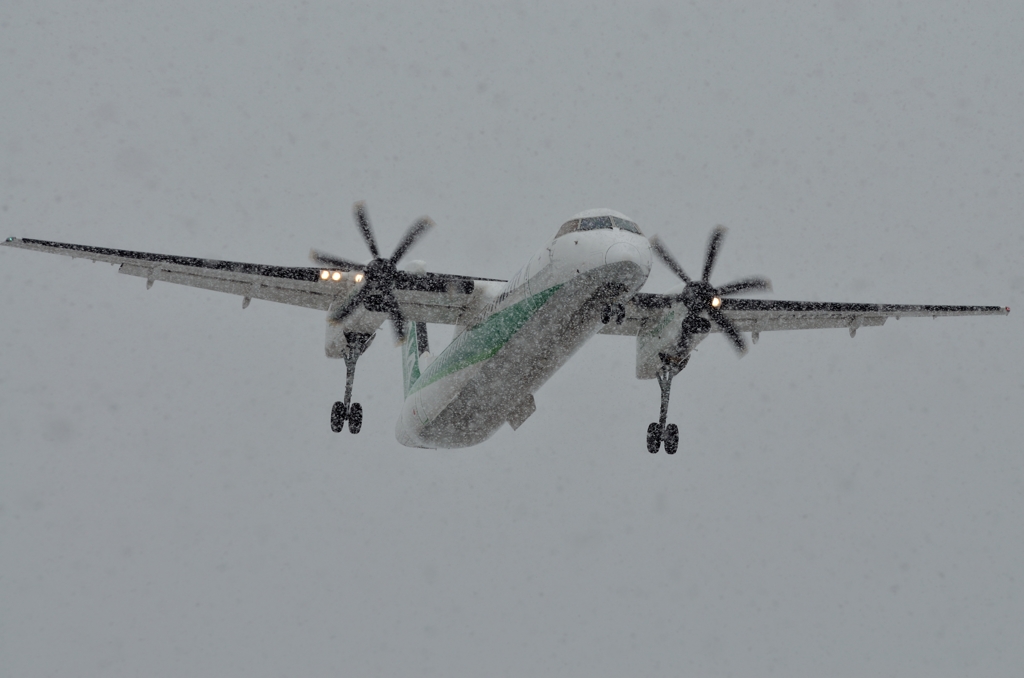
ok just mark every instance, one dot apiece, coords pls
pixel 653 437
pixel 355 418
pixel 606 315
pixel 671 438
pixel 338 417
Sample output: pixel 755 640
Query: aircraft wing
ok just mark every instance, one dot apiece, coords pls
pixel 423 297
pixel 765 315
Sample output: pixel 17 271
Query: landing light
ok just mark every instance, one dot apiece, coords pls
pixel 716 302
pixel 324 275
pixel 359 277
pixel 336 276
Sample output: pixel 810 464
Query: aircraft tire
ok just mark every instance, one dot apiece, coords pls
pixel 338 417
pixel 355 418
pixel 653 437
pixel 671 439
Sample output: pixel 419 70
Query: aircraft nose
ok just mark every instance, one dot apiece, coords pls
pixel 624 251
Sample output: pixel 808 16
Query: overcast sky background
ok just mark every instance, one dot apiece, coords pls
pixel 173 502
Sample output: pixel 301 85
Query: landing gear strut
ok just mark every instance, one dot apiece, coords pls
pixel 348 410
pixel 658 432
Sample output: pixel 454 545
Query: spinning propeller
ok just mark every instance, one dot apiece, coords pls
pixel 377 293
pixel 702 299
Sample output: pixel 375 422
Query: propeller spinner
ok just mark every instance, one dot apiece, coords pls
pixel 381 274
pixel 702 298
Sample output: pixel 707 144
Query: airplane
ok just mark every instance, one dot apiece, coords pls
pixel 510 336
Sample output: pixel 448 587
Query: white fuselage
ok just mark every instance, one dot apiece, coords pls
pixel 520 335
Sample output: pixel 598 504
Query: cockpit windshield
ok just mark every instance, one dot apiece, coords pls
pixel 626 225
pixel 595 223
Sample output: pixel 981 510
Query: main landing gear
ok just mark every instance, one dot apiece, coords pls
pixel 348 410
pixel 658 432
pixel 704 306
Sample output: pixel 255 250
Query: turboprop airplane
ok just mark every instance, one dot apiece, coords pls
pixel 510 336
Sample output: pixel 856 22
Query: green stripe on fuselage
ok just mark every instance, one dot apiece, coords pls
pixel 411 360
pixel 483 341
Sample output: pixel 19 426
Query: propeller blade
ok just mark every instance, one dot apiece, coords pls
pixel 751 283
pixel 328 259
pixel 397 323
pixel 727 327
pixel 363 221
pixel 410 237
pixel 336 315
pixel 714 242
pixel 670 261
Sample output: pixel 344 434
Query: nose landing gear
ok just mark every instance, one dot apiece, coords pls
pixel 347 410
pixel 658 432
pixel 616 312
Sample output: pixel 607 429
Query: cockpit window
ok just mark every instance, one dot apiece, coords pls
pixel 626 225
pixel 594 223
pixel 568 227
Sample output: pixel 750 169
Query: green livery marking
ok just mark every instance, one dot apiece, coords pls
pixel 483 341
pixel 665 320
pixel 411 360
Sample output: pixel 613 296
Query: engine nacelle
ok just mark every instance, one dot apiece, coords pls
pixel 662 337
pixel 359 323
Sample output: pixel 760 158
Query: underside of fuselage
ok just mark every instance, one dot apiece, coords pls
pixel 469 405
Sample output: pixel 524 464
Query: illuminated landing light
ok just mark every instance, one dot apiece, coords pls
pixel 716 302
pixel 324 275
pixel 336 276
pixel 359 277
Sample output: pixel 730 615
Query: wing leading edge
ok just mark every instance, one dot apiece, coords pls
pixel 766 315
pixel 424 297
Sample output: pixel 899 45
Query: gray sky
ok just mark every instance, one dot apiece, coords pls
pixel 173 502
